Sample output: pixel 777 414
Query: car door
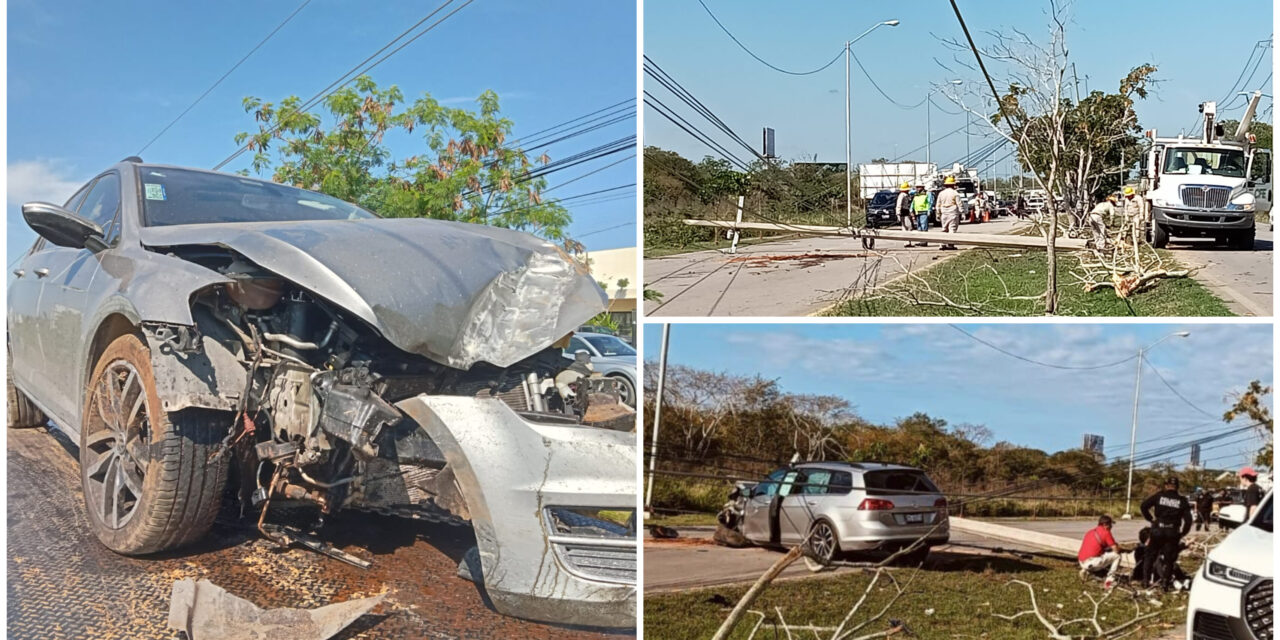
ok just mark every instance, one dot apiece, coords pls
pixel 23 317
pixel 755 514
pixel 64 296
pixel 803 504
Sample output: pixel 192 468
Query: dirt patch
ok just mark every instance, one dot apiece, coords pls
pixel 63 584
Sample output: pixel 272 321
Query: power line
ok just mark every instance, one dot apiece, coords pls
pixel 223 77
pixel 1175 391
pixel 900 105
pixel 758 58
pixel 674 86
pixel 344 79
pixel 628 223
pixel 1043 364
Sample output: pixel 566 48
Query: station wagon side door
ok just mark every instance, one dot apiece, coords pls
pixel 755 514
pixel 803 504
pixel 65 294
pixel 23 313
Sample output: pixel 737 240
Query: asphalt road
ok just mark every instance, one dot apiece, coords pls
pixel 803 276
pixel 693 560
pixel 1241 278
pixel 63 585
pixel 796 277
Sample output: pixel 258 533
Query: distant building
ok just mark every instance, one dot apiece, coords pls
pixel 1093 444
pixel 615 271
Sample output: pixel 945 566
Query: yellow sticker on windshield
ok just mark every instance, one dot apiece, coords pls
pixel 154 191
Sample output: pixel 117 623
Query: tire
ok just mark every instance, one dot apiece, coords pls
pixel 823 541
pixel 23 414
pixel 1159 235
pixel 626 390
pixel 148 482
pixel 1243 241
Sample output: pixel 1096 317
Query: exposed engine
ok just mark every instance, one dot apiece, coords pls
pixel 316 419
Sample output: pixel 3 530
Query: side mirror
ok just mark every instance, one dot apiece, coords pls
pixel 63 228
pixel 1232 515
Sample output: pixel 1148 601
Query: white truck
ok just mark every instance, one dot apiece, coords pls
pixel 886 176
pixel 1210 186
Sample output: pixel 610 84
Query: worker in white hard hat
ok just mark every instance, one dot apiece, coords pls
pixel 949 209
pixel 1102 212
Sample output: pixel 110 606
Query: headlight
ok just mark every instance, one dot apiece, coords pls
pixel 1223 574
pixel 1159 202
pixel 1242 202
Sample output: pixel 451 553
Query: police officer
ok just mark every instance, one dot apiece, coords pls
pixel 1170 516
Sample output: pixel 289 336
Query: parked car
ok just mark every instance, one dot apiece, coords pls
pixel 880 211
pixel 610 357
pixel 199 333
pixel 841 507
pixel 1231 594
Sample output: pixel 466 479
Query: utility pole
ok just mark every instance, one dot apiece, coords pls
pixel 848 124
pixel 1133 431
pixel 657 417
pixel 848 136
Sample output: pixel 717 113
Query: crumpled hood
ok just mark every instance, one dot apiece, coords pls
pixel 454 292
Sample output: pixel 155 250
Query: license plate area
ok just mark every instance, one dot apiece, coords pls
pixel 914 518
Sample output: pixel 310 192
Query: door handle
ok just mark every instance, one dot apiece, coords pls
pixel 42 272
pixel 19 272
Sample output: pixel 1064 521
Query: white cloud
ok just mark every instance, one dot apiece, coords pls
pixel 46 180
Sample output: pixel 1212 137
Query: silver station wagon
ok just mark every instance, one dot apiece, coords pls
pixel 841 507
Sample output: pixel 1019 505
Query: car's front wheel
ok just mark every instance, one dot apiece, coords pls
pixel 626 390
pixel 823 541
pixel 148 478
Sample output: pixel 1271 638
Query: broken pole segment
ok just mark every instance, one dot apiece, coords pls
pixel 977 239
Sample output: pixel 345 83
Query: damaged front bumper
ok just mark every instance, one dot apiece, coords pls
pixel 534 490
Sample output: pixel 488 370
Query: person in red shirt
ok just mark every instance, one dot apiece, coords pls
pixel 1099 552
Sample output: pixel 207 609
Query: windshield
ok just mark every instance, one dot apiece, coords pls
pixel 179 196
pixel 883 198
pixel 1263 519
pixel 610 346
pixel 1218 162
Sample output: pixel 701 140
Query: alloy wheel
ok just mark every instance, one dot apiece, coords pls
pixel 115 442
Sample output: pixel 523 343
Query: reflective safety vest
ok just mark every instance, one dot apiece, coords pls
pixel 920 203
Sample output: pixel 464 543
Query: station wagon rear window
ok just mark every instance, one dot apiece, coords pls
pixel 178 196
pixel 898 480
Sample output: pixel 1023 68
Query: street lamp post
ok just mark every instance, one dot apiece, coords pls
pixel 848 135
pixel 1133 431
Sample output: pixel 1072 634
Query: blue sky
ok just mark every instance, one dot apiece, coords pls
pixel 889 371
pixel 91 82
pixel 807 112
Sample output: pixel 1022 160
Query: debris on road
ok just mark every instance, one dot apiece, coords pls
pixel 205 611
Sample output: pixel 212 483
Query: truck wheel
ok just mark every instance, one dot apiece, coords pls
pixel 22 413
pixel 1244 240
pixel 148 481
pixel 1159 235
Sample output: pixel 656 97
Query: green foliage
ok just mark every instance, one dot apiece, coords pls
pixel 603 319
pixel 1261 130
pixel 676 189
pixel 745 426
pixel 1250 404
pixel 460 168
